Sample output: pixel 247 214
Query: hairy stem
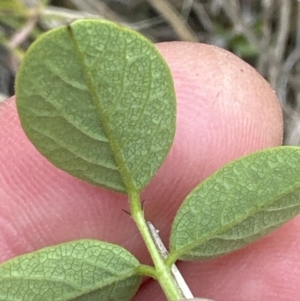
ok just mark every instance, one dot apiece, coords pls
pixel 163 272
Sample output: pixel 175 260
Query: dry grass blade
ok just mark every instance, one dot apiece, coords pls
pixel 181 28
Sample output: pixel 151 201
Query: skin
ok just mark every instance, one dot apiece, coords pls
pixel 225 110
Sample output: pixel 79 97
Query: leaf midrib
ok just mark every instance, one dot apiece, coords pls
pixel 49 279
pixel 125 174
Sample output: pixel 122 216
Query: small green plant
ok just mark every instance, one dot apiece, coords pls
pixel 97 100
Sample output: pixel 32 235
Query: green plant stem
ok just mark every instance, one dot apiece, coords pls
pixel 170 259
pixel 163 272
pixel 147 270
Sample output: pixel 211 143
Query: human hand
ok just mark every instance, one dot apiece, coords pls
pixel 225 110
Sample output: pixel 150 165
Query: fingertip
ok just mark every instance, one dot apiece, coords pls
pixel 225 109
pixel 215 82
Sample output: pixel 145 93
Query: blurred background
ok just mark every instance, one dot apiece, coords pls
pixel 265 33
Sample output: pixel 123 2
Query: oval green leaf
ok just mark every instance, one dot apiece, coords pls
pixel 238 204
pixel 98 101
pixel 84 270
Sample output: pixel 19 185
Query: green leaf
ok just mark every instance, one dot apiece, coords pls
pixel 243 201
pixel 98 101
pixel 86 270
pixel 12 7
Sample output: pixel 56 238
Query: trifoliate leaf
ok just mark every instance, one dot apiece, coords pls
pixel 98 101
pixel 243 201
pixel 84 270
